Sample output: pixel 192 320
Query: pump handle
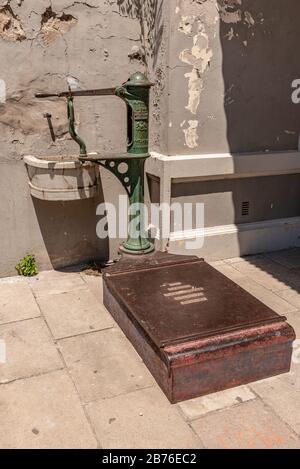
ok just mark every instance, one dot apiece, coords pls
pixel 70 93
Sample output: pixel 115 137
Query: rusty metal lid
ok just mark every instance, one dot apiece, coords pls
pixel 177 302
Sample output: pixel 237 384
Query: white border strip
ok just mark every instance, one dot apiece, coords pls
pixel 226 165
pixel 233 229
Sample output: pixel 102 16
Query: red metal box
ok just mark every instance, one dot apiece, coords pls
pixel 196 330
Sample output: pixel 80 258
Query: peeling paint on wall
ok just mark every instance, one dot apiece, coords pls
pixel 2 91
pixel 10 25
pixel 199 57
pixel 190 133
pixel 249 20
pixel 230 11
pixel 73 82
pixel 233 13
pixel 54 26
pixel 195 16
pixel 199 22
pixel 52 41
pixel 137 53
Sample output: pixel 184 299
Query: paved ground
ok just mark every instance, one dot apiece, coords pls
pixel 72 380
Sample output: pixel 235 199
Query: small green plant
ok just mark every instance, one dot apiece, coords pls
pixel 27 266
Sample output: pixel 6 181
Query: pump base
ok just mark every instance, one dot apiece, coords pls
pixel 122 249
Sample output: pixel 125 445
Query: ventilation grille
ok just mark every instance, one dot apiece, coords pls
pixel 245 208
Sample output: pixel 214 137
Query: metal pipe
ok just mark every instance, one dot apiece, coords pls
pixel 65 94
pixel 72 131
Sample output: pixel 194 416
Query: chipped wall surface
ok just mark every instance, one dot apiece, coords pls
pixel 195 86
pixel 10 25
pixel 86 41
pixel 222 70
pixel 232 63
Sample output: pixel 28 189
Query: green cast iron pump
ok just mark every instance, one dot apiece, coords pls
pixel 135 93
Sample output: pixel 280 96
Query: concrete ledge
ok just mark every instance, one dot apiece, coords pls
pixel 232 240
pixel 223 165
pixel 222 242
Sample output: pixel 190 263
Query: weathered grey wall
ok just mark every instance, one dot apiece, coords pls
pixel 42 45
pixel 224 198
pixel 232 63
pixel 223 71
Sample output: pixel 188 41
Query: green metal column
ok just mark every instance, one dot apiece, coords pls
pixel 135 92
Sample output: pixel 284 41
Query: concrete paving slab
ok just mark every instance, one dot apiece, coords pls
pixel 141 419
pixel 195 408
pixel 233 260
pixel 43 412
pixel 29 350
pixel 216 263
pixel 104 364
pixel 282 393
pixel 17 302
pixel 291 295
pixel 251 425
pixel 74 313
pixel 229 271
pixel 269 298
pixel 54 282
pixel 95 285
pixel 269 274
pixel 290 258
pixel 294 320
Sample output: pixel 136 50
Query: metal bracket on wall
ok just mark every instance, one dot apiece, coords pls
pixel 126 168
pixel 129 169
